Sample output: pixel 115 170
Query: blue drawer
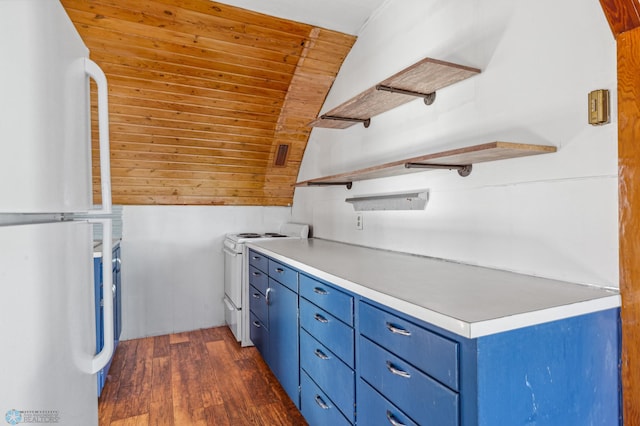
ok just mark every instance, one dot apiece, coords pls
pixel 258 305
pixel 316 407
pixel 430 352
pixel 375 410
pixel 333 376
pixel 260 337
pixel 259 261
pixel 328 298
pixel 419 396
pixel 258 279
pixel 328 330
pixel 283 274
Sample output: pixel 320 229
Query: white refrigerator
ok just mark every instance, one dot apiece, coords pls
pixel 48 358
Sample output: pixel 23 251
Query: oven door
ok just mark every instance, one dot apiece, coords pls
pixel 233 276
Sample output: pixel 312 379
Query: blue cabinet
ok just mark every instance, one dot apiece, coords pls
pixel 376 410
pixel 259 335
pixel 562 372
pixel 327 349
pixel 273 304
pixel 364 363
pixel 99 303
pixel 283 338
pixel 558 373
pixel 259 310
pixel 418 395
pixel 317 408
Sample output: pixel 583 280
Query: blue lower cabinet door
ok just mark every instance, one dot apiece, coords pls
pixel 375 410
pixel 316 407
pixel 419 396
pixel 332 375
pixel 283 338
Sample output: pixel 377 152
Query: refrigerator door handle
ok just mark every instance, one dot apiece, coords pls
pixel 101 359
pixel 93 70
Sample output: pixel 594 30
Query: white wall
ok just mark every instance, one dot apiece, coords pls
pixel 553 215
pixel 173 266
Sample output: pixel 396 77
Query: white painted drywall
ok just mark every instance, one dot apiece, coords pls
pixel 347 16
pixel 173 264
pixel 553 215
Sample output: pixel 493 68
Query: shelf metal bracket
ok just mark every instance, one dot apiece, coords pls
pixel 464 170
pixel 365 121
pixel 349 185
pixel 428 98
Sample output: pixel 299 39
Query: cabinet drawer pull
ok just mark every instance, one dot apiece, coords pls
pixel 320 290
pixel 320 354
pixel 256 295
pixel 256 274
pixel 255 257
pixel 397 371
pixel 279 270
pixel 392 419
pixel 321 403
pixel 397 330
pixel 320 318
pixel 256 324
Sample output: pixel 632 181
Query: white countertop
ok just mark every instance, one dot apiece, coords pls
pixel 97 246
pixel 468 300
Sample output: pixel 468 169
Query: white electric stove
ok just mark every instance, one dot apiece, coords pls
pixel 236 275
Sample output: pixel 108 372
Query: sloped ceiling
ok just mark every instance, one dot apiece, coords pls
pixel 201 96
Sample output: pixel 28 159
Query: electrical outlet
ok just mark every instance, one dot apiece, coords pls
pixel 359 223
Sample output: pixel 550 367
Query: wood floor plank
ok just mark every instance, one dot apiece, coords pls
pixel 185 385
pixel 161 414
pixel 178 338
pixel 161 380
pixel 161 346
pixel 202 377
pixel 142 420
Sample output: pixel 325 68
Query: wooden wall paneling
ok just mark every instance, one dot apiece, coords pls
pixel 201 95
pixel 622 15
pixel 629 194
pixel 624 19
pixel 310 82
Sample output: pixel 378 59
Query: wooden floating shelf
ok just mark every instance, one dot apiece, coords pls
pixel 459 159
pixel 421 79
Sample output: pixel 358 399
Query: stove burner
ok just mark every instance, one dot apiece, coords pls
pixel 249 235
pixel 274 235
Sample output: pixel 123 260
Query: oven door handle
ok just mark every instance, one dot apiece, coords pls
pixel 230 252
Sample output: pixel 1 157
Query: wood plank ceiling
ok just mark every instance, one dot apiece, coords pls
pixel 201 96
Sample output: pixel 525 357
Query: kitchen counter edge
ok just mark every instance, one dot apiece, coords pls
pixel 610 299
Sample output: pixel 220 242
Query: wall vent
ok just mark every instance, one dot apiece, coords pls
pixel 281 155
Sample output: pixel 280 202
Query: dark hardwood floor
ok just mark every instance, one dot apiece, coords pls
pixel 196 378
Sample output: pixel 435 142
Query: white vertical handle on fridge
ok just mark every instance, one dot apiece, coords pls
pixel 102 358
pixel 93 70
